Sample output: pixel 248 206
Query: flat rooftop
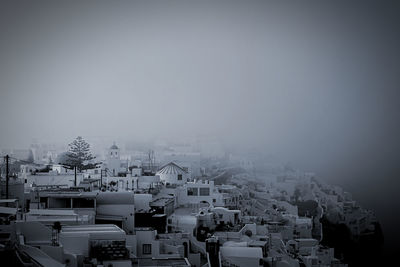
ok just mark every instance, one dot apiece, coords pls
pixel 91 228
pixel 161 202
pixel 67 194
pixel 51 212
pixel 176 262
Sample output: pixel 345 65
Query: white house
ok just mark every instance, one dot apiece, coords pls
pixel 173 174
pixel 60 169
pixel 200 191
pixel 226 216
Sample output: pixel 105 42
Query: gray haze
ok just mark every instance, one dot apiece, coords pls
pixel 315 82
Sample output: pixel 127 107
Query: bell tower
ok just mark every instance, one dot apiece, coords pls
pixel 113 159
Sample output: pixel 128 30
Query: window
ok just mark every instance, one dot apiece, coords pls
pixel 83 203
pixel 205 191
pixel 62 203
pixel 147 249
pixel 179 177
pixel 214 200
pixel 192 191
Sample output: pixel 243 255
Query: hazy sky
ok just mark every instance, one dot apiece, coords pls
pixel 313 75
pixel 316 81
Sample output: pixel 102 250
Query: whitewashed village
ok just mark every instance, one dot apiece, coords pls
pixel 174 205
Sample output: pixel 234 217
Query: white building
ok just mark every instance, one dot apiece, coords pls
pixel 114 160
pixel 61 169
pixel 52 178
pixel 199 191
pixel 187 160
pixel 227 216
pixel 173 174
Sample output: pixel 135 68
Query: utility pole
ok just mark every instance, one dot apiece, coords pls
pixel 75 176
pixel 7 177
pixel 38 197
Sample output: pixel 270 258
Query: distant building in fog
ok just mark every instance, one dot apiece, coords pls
pixel 114 160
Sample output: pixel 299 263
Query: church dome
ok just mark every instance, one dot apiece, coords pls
pixel 171 168
pixel 114 146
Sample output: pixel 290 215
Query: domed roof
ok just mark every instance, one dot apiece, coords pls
pixel 171 168
pixel 114 146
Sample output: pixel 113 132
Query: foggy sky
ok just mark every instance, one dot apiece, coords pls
pixel 316 82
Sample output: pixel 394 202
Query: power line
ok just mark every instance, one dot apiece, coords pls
pixel 7 177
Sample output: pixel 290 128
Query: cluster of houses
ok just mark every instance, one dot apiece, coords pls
pixel 123 214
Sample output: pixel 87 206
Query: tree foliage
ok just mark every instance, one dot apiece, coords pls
pixel 79 154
